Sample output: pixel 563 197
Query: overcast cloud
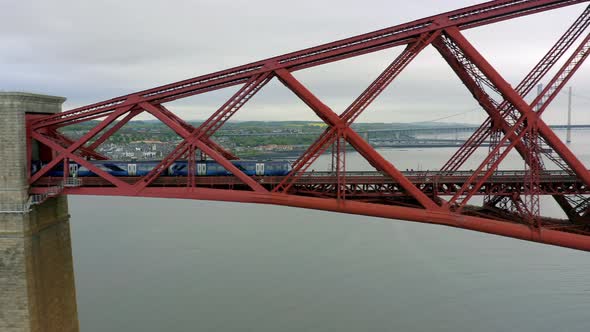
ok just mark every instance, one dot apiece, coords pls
pixel 94 50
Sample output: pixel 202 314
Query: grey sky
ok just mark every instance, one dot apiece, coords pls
pixel 94 50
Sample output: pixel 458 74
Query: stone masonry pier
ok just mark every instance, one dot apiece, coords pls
pixel 37 291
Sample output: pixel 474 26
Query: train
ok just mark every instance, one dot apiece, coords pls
pixel 178 168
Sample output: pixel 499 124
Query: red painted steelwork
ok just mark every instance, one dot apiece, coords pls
pixel 360 145
pixel 511 207
pixel 527 84
pixel 332 135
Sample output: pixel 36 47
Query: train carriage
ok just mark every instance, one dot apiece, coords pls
pixel 178 168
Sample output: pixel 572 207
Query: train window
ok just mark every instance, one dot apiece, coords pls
pixel 73 170
pixel 131 169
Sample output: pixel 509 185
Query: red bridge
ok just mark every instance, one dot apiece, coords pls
pixel 510 204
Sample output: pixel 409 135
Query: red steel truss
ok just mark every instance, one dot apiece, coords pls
pixel 511 204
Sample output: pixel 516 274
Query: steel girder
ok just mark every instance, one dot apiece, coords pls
pixel 398 195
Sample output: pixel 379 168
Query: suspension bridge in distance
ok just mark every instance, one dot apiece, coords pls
pixel 406 137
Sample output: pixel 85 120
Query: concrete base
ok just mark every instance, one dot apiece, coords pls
pixel 37 291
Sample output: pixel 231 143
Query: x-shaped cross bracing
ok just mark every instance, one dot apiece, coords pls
pixel 416 35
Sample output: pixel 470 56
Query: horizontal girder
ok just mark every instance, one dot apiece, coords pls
pixel 362 184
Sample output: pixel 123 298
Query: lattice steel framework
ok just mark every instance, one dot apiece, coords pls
pixel 510 209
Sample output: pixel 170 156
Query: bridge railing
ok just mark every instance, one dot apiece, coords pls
pixel 15 207
pixel 431 173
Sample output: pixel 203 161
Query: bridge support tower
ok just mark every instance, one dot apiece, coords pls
pixel 37 290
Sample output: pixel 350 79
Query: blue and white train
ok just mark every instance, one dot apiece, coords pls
pixel 178 168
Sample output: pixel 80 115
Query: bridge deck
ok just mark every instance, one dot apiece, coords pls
pixel 360 183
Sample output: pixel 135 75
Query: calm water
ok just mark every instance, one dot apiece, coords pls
pixel 180 265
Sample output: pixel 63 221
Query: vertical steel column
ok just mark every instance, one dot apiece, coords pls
pixel 341 165
pixel 569 116
pixel 192 165
pixel 532 182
